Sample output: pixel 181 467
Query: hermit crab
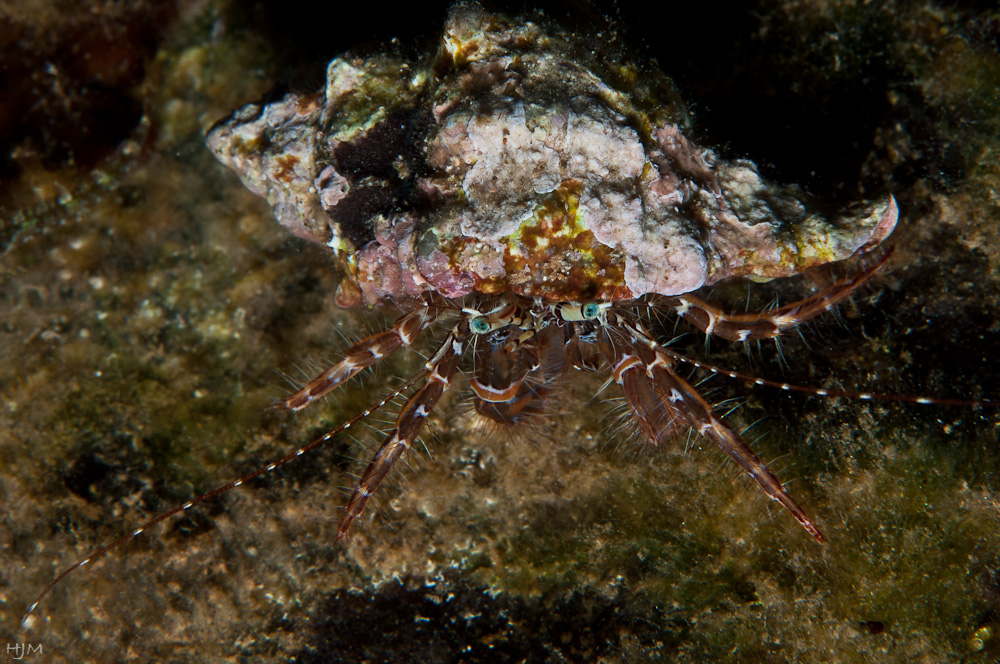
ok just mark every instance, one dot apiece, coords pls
pixel 538 202
pixel 546 198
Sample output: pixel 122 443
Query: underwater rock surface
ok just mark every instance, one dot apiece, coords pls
pixel 141 332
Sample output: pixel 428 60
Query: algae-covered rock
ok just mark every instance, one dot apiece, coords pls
pixel 145 335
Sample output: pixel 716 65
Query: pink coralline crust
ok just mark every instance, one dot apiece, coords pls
pixel 685 156
pixel 386 267
pixel 508 162
pixel 507 166
pixel 436 268
pixel 332 187
pixel 733 222
pixel 883 228
pixel 281 150
pixel 761 231
pixel 272 149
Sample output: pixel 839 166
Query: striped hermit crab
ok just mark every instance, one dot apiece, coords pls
pixel 542 201
pixel 547 199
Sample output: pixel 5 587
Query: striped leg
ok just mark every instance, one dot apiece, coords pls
pixel 692 410
pixel 362 355
pixel 440 370
pixel 768 324
pixel 657 418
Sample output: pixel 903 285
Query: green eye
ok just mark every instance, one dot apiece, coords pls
pixel 480 325
pixel 590 311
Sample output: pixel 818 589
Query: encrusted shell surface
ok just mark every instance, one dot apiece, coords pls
pixel 516 158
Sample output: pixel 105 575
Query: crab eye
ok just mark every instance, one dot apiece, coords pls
pixel 590 311
pixel 480 325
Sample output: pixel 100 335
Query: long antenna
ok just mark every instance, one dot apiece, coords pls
pixel 222 489
pixel 821 392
